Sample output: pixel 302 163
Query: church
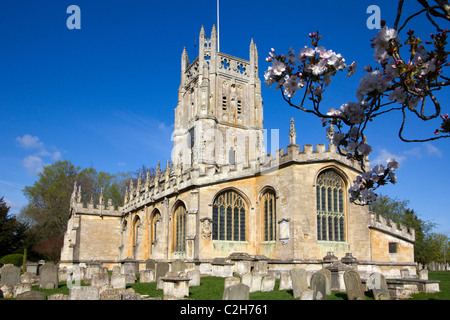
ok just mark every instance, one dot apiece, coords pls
pixel 221 198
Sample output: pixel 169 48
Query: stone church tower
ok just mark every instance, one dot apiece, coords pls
pixel 219 115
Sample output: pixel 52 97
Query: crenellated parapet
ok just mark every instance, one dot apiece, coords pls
pixel 388 226
pixel 100 208
pixel 174 179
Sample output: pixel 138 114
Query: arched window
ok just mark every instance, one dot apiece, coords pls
pixel 155 217
pixel 268 208
pixel 179 219
pixel 330 207
pixel 229 209
pixel 136 226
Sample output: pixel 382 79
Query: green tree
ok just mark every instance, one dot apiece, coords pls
pixel 48 205
pixel 12 232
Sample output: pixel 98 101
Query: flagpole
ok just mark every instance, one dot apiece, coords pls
pixel 218 34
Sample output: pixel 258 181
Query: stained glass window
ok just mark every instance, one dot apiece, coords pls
pixel 268 201
pixel 229 210
pixel 330 207
pixel 180 228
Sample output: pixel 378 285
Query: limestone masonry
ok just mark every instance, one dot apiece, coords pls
pixel 221 199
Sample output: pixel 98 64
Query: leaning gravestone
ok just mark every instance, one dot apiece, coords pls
pixel 299 281
pixel 48 276
pixel 10 275
pixel 327 274
pixel 377 283
pixel 353 285
pixel 319 286
pixel 238 291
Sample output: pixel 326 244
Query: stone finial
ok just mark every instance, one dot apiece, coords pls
pixel 292 133
pixel 158 168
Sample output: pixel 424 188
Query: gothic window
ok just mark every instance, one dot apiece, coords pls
pixel 239 106
pixel 153 225
pixel 136 226
pixel 268 202
pixel 229 211
pixel 330 207
pixel 179 222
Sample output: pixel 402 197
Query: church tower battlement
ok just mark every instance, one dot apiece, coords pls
pixel 219 114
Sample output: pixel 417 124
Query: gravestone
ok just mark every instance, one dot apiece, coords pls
pixel 58 296
pixel 10 275
pixel 100 279
pixel 377 283
pixel 21 288
pixel 147 276
pixel 307 294
pixel 285 281
pixel 116 270
pixel 111 294
pixel 238 291
pixel 127 295
pixel 327 274
pixel 423 274
pixel 247 279
pixel 231 281
pixel 93 267
pixel 353 285
pixel 256 282
pixel 84 293
pixel 48 276
pixel 268 283
pixel 195 278
pixel 178 266
pixel 118 281
pixel 31 295
pixel 150 264
pixel 260 267
pixel 161 269
pixel 299 281
pixel 129 268
pixel 319 286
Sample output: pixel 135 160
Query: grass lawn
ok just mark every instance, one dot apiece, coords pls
pixel 211 288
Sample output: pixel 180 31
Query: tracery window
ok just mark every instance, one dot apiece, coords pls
pixel 330 207
pixel 268 202
pixel 180 228
pixel 229 209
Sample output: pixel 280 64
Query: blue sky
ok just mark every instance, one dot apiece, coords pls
pixel 104 95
